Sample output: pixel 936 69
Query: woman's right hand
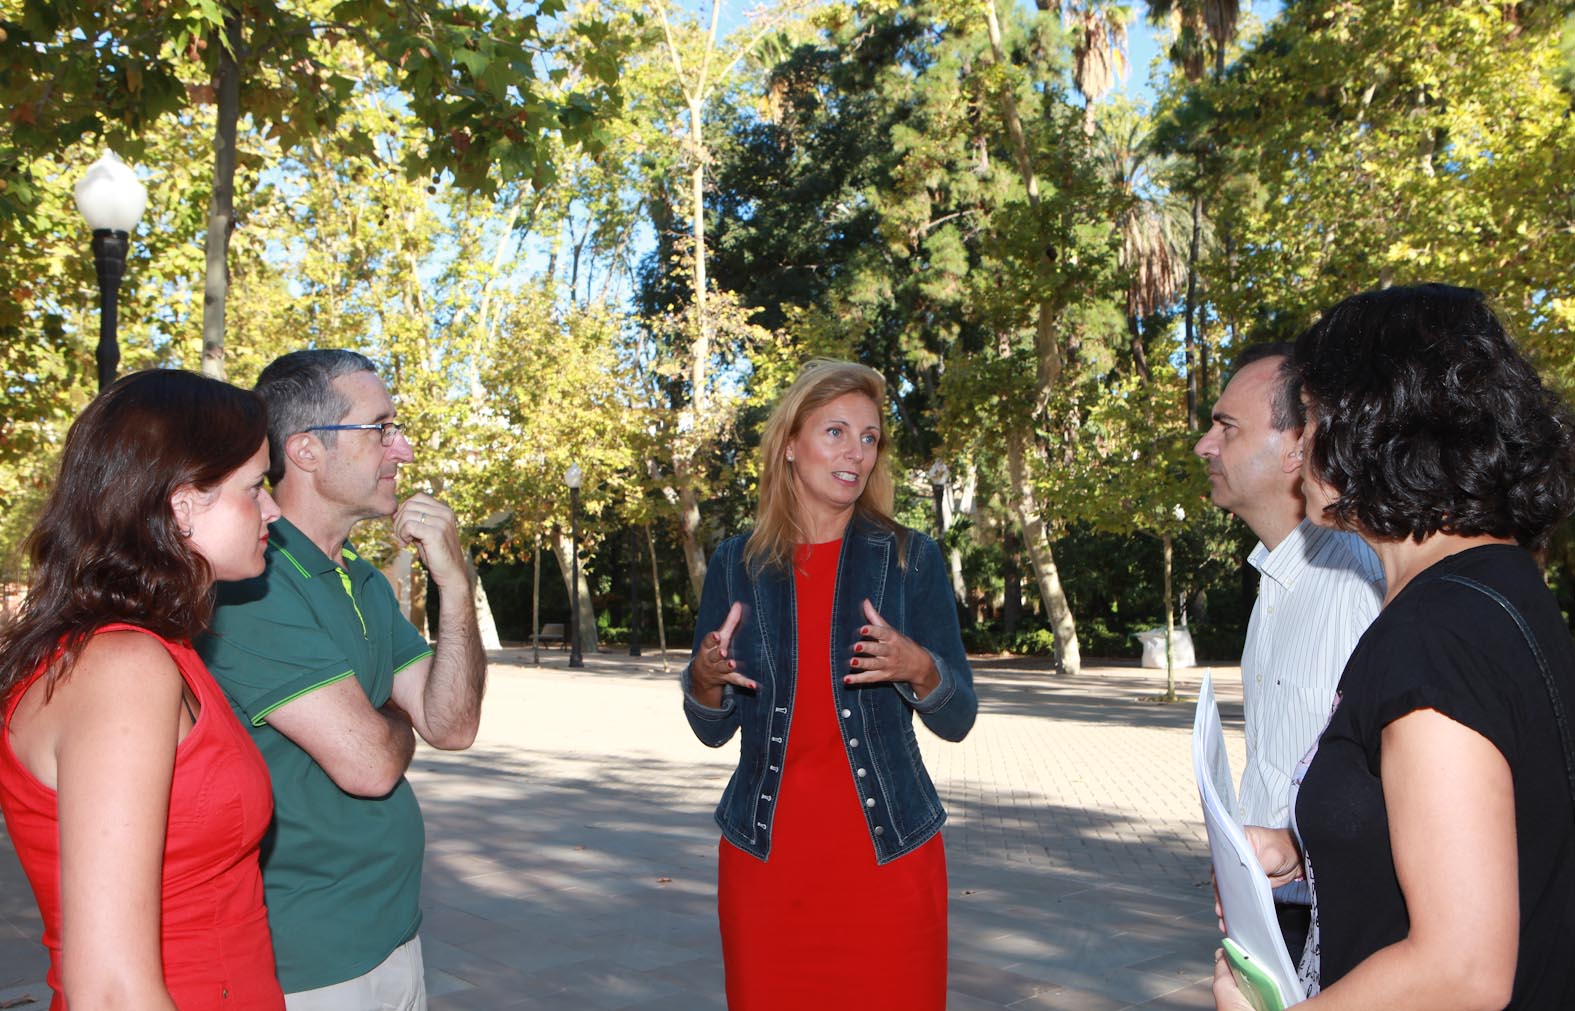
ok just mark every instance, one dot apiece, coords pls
pixel 1227 995
pixel 714 665
pixel 1277 851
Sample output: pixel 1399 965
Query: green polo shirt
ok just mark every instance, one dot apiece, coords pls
pixel 342 874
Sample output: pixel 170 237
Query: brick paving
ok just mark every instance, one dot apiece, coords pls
pixel 571 852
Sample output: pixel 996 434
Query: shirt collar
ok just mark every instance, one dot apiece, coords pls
pixel 1289 557
pixel 299 550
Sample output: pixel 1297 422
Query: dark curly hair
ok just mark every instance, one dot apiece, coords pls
pixel 1429 420
pixel 106 548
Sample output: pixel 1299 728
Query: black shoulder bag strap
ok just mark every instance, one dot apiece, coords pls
pixel 1555 700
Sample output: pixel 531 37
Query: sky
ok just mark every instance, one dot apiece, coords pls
pixel 1144 42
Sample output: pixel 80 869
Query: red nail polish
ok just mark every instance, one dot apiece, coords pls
pixel 858 647
pixel 854 662
pixel 847 680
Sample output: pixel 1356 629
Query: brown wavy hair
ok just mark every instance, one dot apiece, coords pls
pixel 777 526
pixel 107 548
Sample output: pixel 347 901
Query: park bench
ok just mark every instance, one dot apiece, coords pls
pixel 552 631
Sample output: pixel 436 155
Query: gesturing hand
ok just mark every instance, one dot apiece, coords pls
pixel 885 654
pixel 714 666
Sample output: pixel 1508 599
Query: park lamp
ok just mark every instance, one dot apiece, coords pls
pixel 573 478
pixel 111 200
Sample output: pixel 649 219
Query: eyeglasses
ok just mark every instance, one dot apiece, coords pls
pixel 386 429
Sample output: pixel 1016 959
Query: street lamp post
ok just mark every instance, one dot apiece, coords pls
pixel 939 474
pixel 572 478
pixel 111 201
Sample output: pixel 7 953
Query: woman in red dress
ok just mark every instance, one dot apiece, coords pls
pixel 135 799
pixel 826 630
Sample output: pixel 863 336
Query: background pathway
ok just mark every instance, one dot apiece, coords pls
pixel 571 852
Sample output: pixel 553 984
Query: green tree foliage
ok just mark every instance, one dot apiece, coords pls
pixel 1402 142
pixel 467 74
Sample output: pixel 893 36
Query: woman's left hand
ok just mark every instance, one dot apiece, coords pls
pixel 885 654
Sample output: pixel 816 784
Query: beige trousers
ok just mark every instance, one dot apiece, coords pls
pixel 398 984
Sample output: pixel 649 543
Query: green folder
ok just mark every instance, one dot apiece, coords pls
pixel 1254 981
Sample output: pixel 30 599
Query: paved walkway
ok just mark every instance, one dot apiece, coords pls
pixel 571 852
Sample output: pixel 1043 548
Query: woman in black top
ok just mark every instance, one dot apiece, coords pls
pixel 1435 821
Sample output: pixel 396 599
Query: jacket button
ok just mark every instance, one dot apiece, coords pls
pixel 846 713
pixel 853 742
pixel 870 802
pixel 862 773
pixel 878 830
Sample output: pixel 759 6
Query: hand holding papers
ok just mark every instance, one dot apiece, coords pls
pixel 1253 945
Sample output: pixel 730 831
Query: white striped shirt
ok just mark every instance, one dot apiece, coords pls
pixel 1320 590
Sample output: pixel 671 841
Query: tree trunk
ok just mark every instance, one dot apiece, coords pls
pixel 1012 578
pixel 1139 355
pixel 535 605
pixel 221 205
pixel 1190 337
pixel 486 625
pixel 1170 628
pixel 702 345
pixel 656 597
pixel 418 599
pixel 634 593
pixel 953 556
pixel 587 608
pixel 1047 352
pixel 689 528
pixel 1037 542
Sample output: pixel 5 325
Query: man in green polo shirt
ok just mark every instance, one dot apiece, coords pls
pixel 335 684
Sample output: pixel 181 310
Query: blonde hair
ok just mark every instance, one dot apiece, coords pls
pixel 777 524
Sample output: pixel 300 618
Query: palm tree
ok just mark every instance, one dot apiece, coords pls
pixel 1156 222
pixel 1099 38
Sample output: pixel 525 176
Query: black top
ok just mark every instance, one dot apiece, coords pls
pixel 1444 646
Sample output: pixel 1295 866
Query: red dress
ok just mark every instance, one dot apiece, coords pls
pixel 819 925
pixel 216 949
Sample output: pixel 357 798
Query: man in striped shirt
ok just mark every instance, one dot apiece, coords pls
pixel 1319 590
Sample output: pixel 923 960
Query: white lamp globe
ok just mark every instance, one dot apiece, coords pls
pixel 109 196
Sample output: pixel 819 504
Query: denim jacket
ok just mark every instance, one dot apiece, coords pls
pixel 901 807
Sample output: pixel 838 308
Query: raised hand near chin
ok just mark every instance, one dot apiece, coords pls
pixel 431 526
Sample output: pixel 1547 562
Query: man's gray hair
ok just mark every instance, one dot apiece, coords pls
pixel 299 390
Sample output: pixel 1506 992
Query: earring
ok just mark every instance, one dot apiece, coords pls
pixel 183 531
pixel 790 458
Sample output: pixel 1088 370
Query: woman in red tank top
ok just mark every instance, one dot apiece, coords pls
pixel 135 799
pixel 832 873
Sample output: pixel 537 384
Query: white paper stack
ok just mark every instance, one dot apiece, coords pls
pixel 1243 887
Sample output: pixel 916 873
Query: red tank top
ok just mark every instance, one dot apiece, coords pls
pixel 216 949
